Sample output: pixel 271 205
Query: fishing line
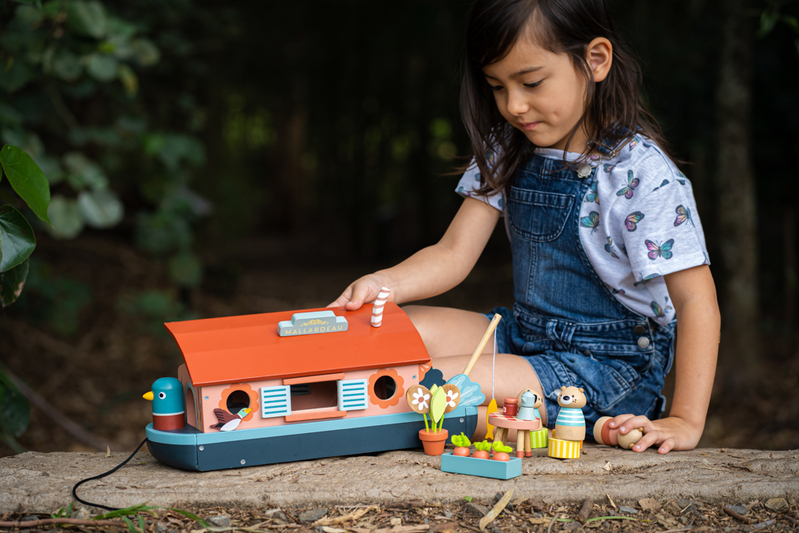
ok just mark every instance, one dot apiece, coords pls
pixel 494 366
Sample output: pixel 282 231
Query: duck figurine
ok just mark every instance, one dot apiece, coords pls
pixel 167 397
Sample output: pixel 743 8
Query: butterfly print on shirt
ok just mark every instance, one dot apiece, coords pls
pixel 628 190
pixel 683 215
pixel 659 250
pixel 632 220
pixel 591 221
pixel 592 195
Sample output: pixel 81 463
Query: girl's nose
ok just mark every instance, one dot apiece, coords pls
pixel 517 105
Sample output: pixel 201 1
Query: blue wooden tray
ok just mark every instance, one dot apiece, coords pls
pixel 481 467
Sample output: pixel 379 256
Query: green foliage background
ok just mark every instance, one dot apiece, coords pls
pixel 191 129
pixel 186 126
pixel 115 153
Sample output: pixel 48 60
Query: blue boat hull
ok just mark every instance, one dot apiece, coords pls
pixel 189 449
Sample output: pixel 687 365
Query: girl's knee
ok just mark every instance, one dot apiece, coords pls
pixel 415 312
pixel 423 320
pixel 447 332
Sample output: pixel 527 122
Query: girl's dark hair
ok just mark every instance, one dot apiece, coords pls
pixel 614 110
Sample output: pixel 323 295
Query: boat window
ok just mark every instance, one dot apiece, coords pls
pixel 319 395
pixel 191 408
pixel 237 400
pixel 385 387
pixel 302 389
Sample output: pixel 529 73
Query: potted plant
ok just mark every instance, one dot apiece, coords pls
pixel 501 452
pixel 436 402
pixel 462 444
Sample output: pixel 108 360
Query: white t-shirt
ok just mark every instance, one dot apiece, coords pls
pixel 638 222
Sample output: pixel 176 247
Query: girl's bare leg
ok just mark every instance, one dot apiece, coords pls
pixel 451 336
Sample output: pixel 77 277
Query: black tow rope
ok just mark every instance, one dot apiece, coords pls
pixel 81 482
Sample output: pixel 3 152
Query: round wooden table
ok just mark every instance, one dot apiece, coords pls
pixel 523 428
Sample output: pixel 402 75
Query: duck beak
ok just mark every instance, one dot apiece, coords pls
pixel 148 395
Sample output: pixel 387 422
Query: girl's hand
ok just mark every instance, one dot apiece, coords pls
pixel 362 291
pixel 670 433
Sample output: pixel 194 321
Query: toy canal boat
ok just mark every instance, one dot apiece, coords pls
pixel 277 387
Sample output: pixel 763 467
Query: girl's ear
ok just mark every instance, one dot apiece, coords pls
pixel 599 55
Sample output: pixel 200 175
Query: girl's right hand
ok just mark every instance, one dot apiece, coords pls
pixel 362 291
pixel 671 433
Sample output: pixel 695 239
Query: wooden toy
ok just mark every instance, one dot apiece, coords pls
pixel 510 407
pixel 522 427
pixel 227 421
pixel 377 307
pixel 294 397
pixel 311 323
pixel 492 405
pixel 492 408
pixel 442 400
pixel 603 434
pixel 167 398
pixel 564 449
pixel 462 444
pixel 478 351
pixel 469 389
pixel 567 438
pixel 501 452
pixel 528 402
pixel 482 450
pixel 500 466
pixel 481 467
pixel 570 424
pixel 538 439
pixel 526 420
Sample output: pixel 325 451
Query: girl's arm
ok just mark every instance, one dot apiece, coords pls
pixel 694 296
pixel 432 270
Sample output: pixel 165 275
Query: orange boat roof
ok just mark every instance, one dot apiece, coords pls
pixel 248 348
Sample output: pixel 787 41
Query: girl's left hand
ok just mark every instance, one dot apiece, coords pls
pixel 668 434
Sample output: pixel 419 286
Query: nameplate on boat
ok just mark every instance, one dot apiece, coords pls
pixel 311 324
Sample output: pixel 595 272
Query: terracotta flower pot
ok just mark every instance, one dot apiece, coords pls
pixel 433 442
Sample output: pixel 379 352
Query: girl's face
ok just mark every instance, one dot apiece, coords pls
pixel 541 94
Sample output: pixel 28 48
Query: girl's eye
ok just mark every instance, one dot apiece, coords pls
pixel 496 88
pixel 532 85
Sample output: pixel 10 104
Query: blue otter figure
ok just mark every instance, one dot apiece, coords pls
pixel 168 406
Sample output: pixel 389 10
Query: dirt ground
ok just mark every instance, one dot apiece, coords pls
pixel 90 348
pixel 523 515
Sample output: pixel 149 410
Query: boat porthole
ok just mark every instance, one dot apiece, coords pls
pixel 243 461
pixel 202 448
pixel 461 421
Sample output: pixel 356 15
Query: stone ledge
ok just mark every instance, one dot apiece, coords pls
pixel 42 482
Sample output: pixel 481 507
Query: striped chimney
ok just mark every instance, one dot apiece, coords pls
pixel 377 309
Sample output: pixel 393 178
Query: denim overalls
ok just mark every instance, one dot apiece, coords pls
pixel 566 322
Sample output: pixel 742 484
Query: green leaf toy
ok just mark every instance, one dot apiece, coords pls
pixel 461 440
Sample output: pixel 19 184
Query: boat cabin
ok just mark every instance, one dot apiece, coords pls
pixel 290 367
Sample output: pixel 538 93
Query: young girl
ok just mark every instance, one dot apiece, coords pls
pixel 608 250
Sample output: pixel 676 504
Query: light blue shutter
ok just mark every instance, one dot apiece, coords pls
pixel 352 394
pixel 275 401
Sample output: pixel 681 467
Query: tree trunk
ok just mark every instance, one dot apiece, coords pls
pixel 737 227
